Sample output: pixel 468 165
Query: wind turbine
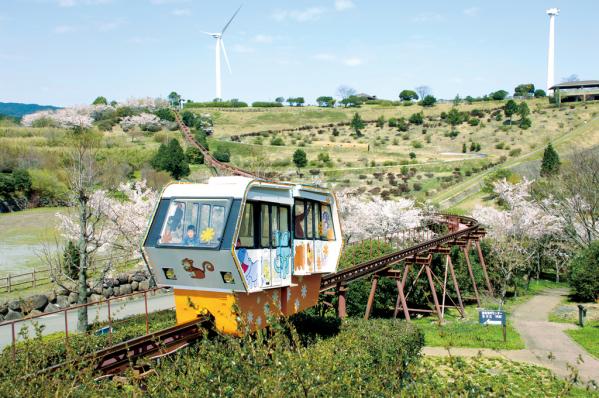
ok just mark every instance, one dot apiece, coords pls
pixel 220 44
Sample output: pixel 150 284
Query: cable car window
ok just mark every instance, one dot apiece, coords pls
pixel 246 230
pixel 299 220
pixel 194 223
pixel 310 220
pixel 283 219
pixel 317 223
pixel 264 226
pixel 172 231
pixel 326 220
pixel 274 224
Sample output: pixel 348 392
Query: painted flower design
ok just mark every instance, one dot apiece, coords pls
pixel 304 291
pixel 250 317
pixel 296 305
pixel 207 234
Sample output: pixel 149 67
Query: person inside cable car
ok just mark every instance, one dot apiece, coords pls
pixel 191 239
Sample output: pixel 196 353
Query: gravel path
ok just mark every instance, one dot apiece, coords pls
pixel 546 343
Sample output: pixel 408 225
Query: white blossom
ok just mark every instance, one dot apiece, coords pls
pixel 145 121
pixel 66 117
pixel 362 218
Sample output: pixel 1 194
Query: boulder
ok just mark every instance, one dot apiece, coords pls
pixel 123 278
pixel 35 302
pixel 62 301
pixel 3 308
pixel 144 285
pixel 51 296
pixel 95 297
pixel 130 278
pixel 138 277
pixel 107 292
pixel 51 307
pixel 115 282
pixel 1 317
pixel 61 291
pixel 14 305
pixel 73 298
pixel 125 289
pixel 12 315
pixel 35 313
pixel 97 289
pixel 116 291
pixel 134 285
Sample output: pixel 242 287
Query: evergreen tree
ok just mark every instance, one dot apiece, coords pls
pixel 551 163
pixel 100 101
pixel 357 123
pixel 171 158
pixel 71 261
pixel 300 159
pixel 510 108
pixel 464 148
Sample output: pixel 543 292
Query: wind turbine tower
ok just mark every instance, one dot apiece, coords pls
pixel 552 12
pixel 221 45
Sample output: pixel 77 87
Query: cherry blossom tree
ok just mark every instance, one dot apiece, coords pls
pixel 145 121
pixel 66 117
pixel 362 218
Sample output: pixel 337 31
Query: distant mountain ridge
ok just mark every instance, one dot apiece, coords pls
pixel 18 110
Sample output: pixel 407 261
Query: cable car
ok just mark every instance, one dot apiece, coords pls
pixel 243 249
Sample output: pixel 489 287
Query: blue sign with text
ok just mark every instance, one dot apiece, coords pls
pixel 491 317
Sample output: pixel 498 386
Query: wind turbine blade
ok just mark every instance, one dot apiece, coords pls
pixel 222 45
pixel 230 20
pixel 207 33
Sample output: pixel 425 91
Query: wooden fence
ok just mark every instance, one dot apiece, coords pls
pixel 29 279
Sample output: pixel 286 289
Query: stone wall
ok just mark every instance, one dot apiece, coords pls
pixel 122 284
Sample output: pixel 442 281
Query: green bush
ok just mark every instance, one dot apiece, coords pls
pixel 584 273
pixel 277 141
pixel 222 154
pixel 266 104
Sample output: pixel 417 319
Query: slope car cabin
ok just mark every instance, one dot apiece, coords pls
pixel 242 249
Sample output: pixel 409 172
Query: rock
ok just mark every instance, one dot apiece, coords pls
pixel 1 318
pixel 35 313
pixel 73 298
pixel 138 277
pixel 12 315
pixel 51 296
pixel 95 297
pixel 125 289
pixel 3 308
pixel 107 292
pixel 123 278
pixel 35 302
pixel 134 285
pixel 51 307
pixel 62 301
pixel 116 291
pixel 144 285
pixel 115 282
pixel 130 278
pixel 61 291
pixel 97 289
pixel 88 292
pixel 14 305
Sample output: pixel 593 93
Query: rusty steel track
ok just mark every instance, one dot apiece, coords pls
pixel 387 261
pixel 208 158
pixel 119 357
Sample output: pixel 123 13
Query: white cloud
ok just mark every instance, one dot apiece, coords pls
pixel 342 5
pixel 64 29
pixel 110 25
pixel 239 48
pixel 325 57
pixel 264 39
pixel 471 12
pixel 353 61
pixel 308 14
pixel 73 3
pixel 428 17
pixel 181 12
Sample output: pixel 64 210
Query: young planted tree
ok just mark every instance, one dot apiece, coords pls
pixel 300 159
pixel 510 108
pixel 357 123
pixel 550 164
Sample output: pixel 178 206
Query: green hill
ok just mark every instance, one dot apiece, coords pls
pixel 18 110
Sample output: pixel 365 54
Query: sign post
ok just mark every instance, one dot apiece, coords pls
pixel 493 317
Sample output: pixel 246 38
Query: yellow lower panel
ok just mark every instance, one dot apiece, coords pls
pixel 252 309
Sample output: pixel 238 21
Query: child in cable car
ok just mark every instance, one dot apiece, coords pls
pixel 191 239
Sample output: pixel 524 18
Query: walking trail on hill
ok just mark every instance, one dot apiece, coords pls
pixel 546 343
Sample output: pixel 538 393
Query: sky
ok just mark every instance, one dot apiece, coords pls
pixel 67 52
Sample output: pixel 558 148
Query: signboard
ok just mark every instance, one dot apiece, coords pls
pixel 491 317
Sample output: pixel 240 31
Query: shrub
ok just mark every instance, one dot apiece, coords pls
pixel 525 123
pixel 417 118
pixel 277 141
pixel 417 144
pixel 222 154
pixel 392 122
pixel 266 104
pixel 515 152
pixel 193 155
pixel 429 100
pixel 584 275
pixel 474 122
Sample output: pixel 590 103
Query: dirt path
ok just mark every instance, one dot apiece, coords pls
pixel 547 344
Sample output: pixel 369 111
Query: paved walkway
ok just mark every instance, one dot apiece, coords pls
pixel 547 344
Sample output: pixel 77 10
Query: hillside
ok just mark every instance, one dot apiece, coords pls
pixel 15 109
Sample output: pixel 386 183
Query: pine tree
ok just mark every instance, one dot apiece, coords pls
pixel 171 158
pixel 551 163
pixel 300 159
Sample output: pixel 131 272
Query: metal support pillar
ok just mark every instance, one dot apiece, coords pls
pixel 375 281
pixel 341 302
pixel 401 298
pixel 465 250
pixel 455 285
pixel 481 259
pixel 433 291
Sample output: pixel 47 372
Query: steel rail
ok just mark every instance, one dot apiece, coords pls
pixel 388 260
